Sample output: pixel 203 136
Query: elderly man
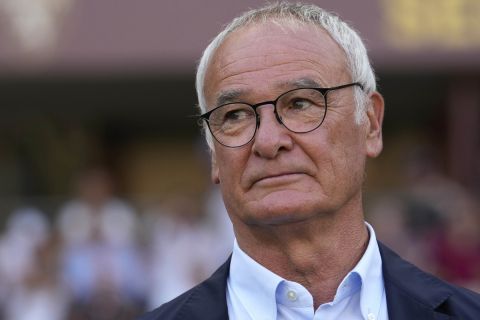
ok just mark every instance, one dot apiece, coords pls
pixel 289 99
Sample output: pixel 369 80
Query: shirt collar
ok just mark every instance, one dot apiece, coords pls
pixel 367 276
pixel 256 286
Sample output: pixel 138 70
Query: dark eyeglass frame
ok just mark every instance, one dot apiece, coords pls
pixel 324 91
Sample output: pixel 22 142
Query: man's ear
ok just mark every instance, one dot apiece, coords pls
pixel 375 109
pixel 214 174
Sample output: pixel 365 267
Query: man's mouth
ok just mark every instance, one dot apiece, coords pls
pixel 280 178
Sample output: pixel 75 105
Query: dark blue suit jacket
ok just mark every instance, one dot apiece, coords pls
pixel 411 295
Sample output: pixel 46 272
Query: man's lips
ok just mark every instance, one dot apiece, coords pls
pixel 282 177
pixel 277 175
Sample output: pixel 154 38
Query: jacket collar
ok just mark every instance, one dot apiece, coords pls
pixel 411 293
pixel 209 299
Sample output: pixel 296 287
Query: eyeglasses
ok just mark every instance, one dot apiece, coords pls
pixel 299 110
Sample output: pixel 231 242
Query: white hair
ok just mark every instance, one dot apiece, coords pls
pixel 299 14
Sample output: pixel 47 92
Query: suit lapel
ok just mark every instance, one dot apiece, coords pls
pixel 209 300
pixel 411 293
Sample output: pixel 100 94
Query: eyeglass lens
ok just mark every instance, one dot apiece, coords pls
pixel 299 110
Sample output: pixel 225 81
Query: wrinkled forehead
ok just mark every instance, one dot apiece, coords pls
pixel 283 28
pixel 268 45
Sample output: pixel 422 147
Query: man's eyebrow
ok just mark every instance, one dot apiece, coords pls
pixel 300 83
pixel 228 96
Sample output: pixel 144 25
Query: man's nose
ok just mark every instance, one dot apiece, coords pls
pixel 271 137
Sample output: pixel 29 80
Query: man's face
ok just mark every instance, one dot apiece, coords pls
pixel 283 177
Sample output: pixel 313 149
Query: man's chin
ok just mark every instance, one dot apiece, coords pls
pixel 281 212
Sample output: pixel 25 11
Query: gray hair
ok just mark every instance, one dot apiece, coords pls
pixel 299 14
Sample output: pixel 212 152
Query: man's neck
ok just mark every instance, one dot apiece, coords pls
pixel 316 253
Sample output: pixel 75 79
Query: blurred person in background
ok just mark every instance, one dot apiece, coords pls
pixel 30 287
pixel 184 248
pixel 456 246
pixel 289 101
pixel 389 215
pixel 100 257
pixel 446 217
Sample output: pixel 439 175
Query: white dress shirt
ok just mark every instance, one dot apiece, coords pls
pixel 254 292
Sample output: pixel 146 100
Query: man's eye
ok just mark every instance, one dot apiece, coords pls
pixel 300 104
pixel 236 115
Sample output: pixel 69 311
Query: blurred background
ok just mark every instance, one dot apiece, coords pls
pixel 106 208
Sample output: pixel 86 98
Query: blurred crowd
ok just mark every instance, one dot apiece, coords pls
pixel 100 258
pixel 432 221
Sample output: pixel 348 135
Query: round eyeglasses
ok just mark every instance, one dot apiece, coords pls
pixel 299 110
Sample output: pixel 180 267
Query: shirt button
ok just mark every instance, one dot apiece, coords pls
pixel 371 316
pixel 292 295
